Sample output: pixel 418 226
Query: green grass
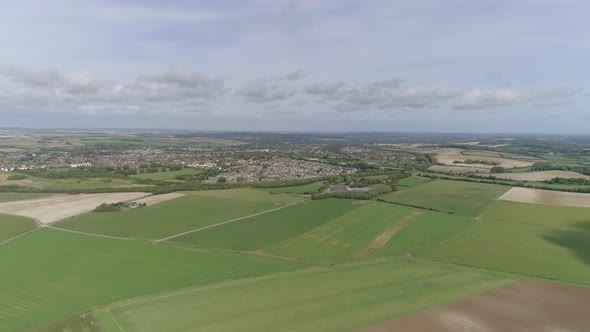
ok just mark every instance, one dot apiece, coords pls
pixel 561 253
pixel 252 195
pixel 536 213
pixel 263 230
pixel 167 218
pixel 462 198
pixel 413 181
pixel 51 274
pixel 75 184
pixel 306 188
pixel 355 234
pixel 10 197
pixel 167 175
pixel 343 298
pixel 11 226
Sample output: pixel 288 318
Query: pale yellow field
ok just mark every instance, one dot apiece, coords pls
pixel 546 197
pixel 54 208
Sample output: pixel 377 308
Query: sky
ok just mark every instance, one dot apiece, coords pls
pixel 515 66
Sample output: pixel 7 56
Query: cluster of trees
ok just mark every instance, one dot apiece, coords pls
pixel 16 177
pixel 119 206
pixel 544 166
pixel 498 169
pixel 477 161
pixel 357 195
pixel 559 180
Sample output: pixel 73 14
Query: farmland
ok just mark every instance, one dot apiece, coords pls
pixel 297 264
pixel 373 230
pixel 344 298
pixel 167 175
pixel 49 273
pixel 195 210
pixel 462 198
pixel 11 226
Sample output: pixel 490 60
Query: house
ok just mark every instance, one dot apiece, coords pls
pixel 86 164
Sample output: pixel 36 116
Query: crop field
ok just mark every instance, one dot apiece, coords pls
pixel 413 181
pixel 167 175
pixel 306 188
pixel 251 195
pixel 266 229
pixel 258 259
pixel 174 216
pixel 462 198
pixel 344 298
pixel 11 226
pixel 49 274
pixel 71 184
pixel 373 230
pixel 11 197
pixel 560 253
pixel 536 214
pixel 540 176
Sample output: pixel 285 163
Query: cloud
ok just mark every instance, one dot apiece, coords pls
pixel 325 90
pixel 295 75
pixel 179 89
pixel 479 98
pixel 260 91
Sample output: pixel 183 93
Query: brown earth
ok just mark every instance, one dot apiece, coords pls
pixel 523 306
pixel 51 209
pixel 546 197
pixel 448 156
pixel 382 239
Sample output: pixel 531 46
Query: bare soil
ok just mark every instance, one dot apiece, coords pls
pixel 54 208
pixel 155 199
pixel 546 197
pixel 524 306
pixel 382 239
pixel 448 156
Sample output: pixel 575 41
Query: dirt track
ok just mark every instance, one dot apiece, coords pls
pixel 51 209
pixel 546 197
pixel 523 306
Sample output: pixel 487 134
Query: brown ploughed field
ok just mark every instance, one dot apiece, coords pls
pixel 546 197
pixel 524 306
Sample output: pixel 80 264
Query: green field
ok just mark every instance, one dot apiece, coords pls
pixel 344 298
pixel 373 230
pixel 536 213
pixel 175 216
pixel 251 195
pixel 561 253
pixel 462 198
pixel 10 197
pixel 306 188
pixel 49 274
pixel 11 226
pixel 413 181
pixel 263 230
pixel 73 183
pixel 167 175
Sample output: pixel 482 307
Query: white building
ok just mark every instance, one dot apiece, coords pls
pixel 86 164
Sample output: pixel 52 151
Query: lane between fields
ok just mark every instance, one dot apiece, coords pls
pixel 226 222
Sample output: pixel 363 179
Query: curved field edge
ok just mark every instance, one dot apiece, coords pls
pixel 50 274
pixel 339 298
pixel 13 226
pixel 374 230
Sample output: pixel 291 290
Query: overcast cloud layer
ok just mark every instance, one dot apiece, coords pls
pixel 425 65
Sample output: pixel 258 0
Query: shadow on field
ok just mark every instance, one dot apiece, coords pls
pixel 575 237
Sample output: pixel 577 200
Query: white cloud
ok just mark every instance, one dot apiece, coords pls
pixel 479 98
pixel 260 91
pixel 295 75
